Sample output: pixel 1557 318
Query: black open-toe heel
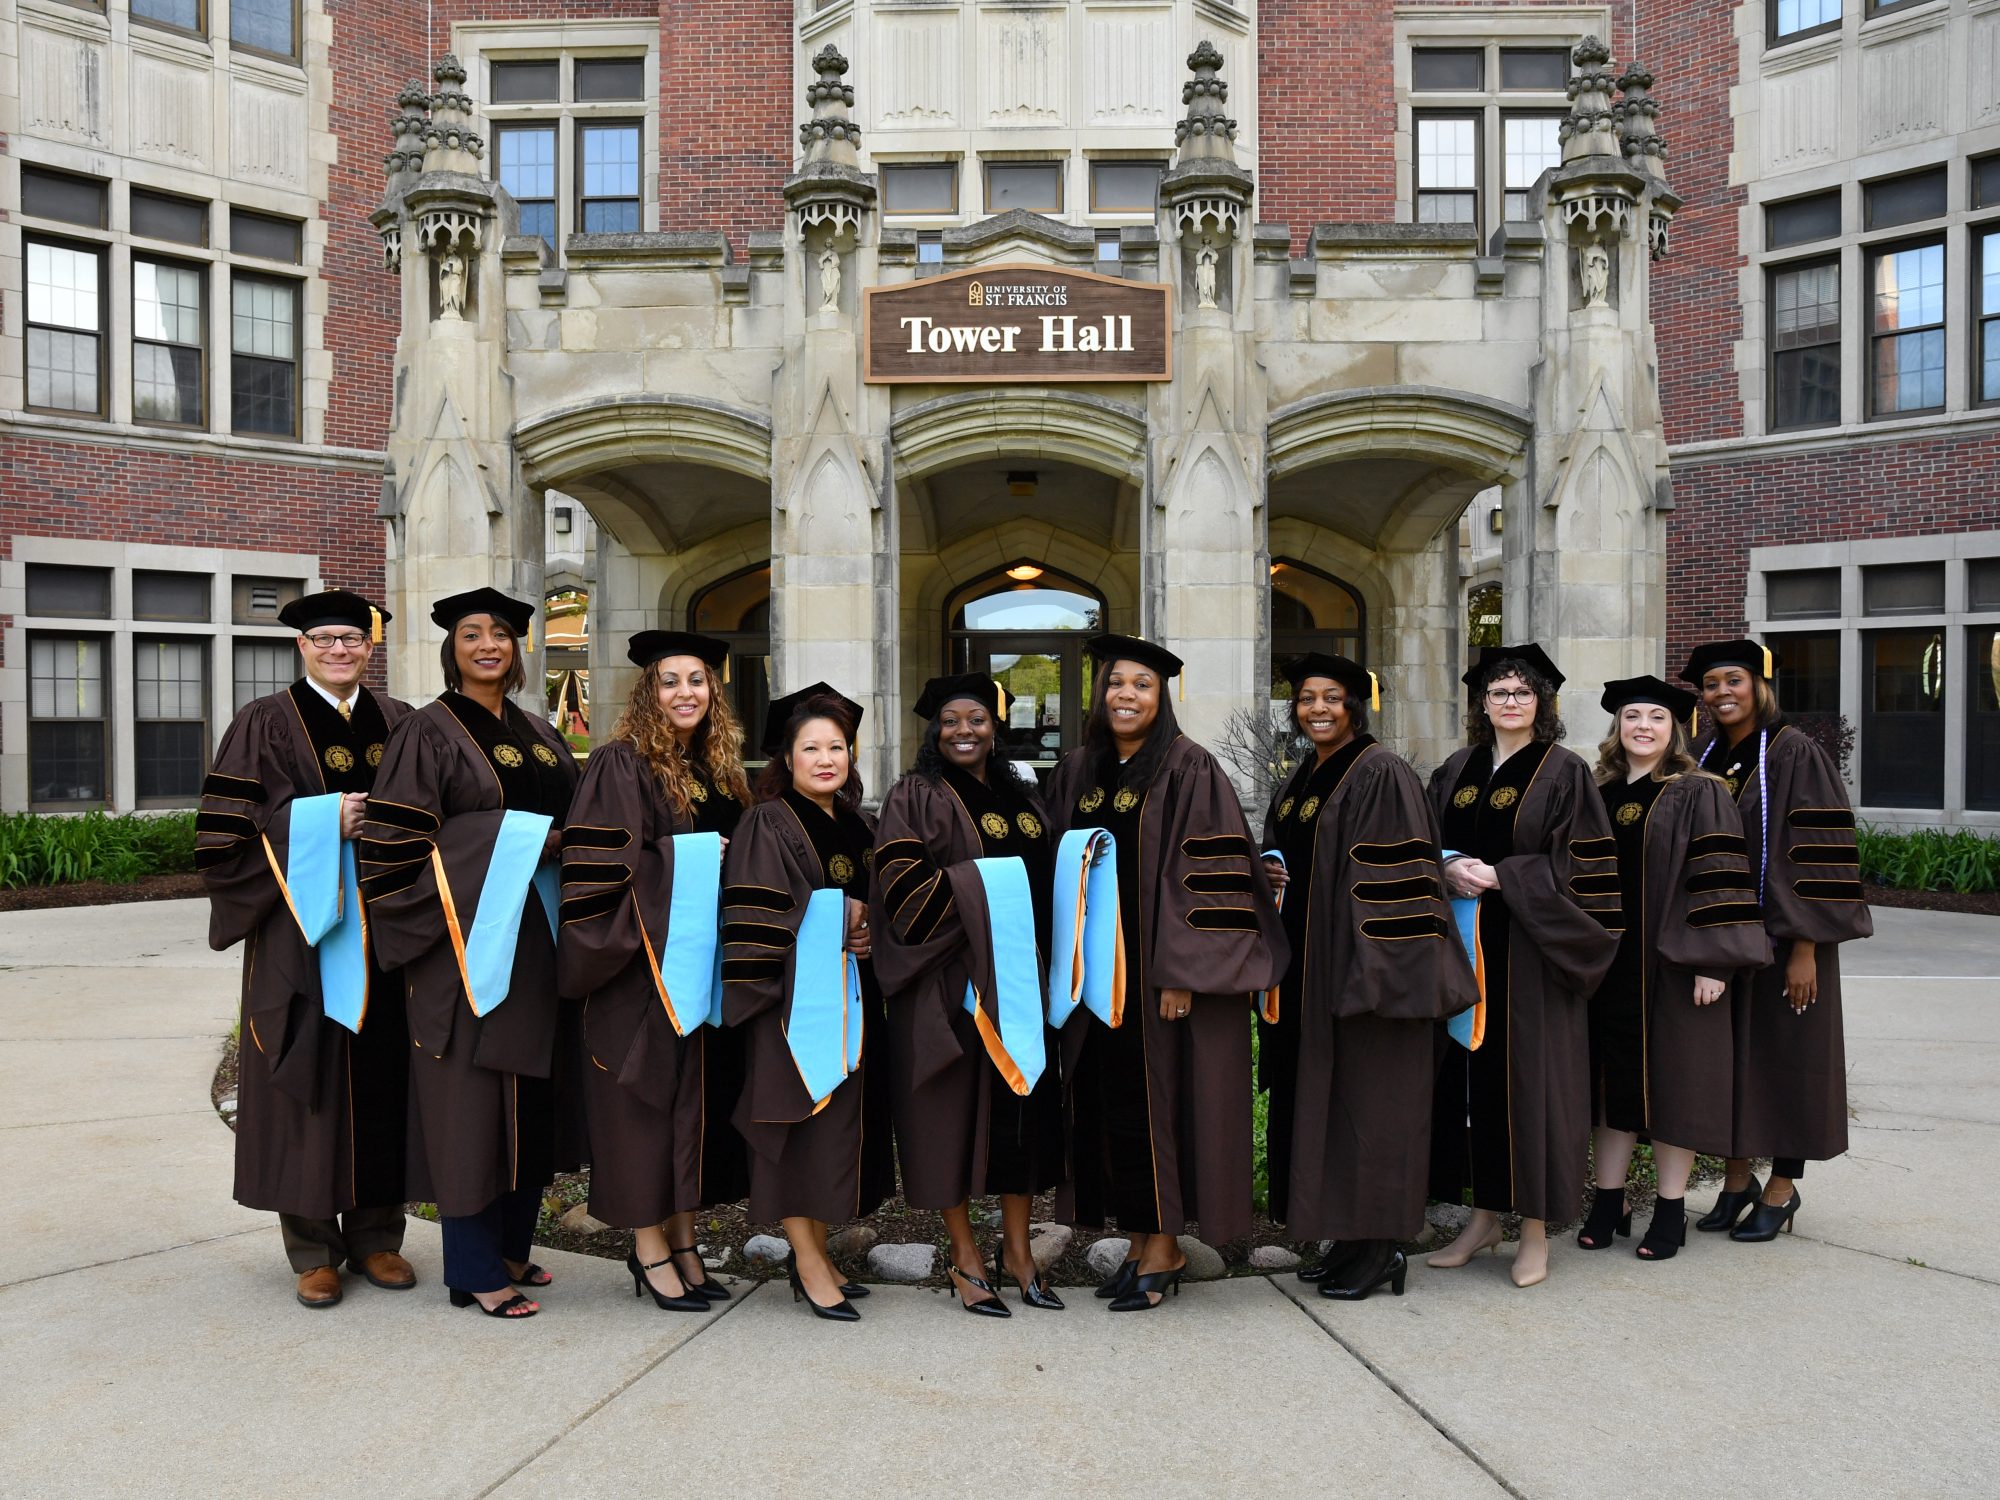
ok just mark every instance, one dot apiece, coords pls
pixel 1140 1298
pixel 989 1306
pixel 1667 1233
pixel 1608 1213
pixel 531 1275
pixel 841 1312
pixel 504 1310
pixel 1119 1282
pixel 1035 1292
pixel 1378 1263
pixel 686 1302
pixel 703 1288
pixel 1729 1207
pixel 1766 1220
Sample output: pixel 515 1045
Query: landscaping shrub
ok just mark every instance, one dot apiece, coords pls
pixel 44 849
pixel 1929 859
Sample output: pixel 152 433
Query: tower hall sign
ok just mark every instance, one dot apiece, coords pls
pixel 1017 322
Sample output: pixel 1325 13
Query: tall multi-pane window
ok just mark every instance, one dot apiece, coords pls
pixel 1795 18
pixel 1982 719
pixel 66 719
pixel 1529 148
pixel 609 157
pixel 263 668
pixel 1906 329
pixel 527 159
pixel 1805 345
pixel 167 339
pixel 1902 718
pixel 265 26
pixel 264 372
pixel 170 732
pixel 65 342
pixel 1986 348
pixel 1447 168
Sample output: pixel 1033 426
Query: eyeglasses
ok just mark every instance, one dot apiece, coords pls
pixel 321 641
pixel 1501 696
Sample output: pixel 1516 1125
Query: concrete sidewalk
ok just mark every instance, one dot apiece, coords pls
pixel 151 1346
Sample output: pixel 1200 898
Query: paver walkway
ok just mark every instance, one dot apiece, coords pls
pixel 149 1344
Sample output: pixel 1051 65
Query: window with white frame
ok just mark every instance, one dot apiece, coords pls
pixel 65 332
pixel 67 720
pixel 1484 126
pixel 170 712
pixel 566 145
pixel 261 668
pixel 264 369
pixel 169 338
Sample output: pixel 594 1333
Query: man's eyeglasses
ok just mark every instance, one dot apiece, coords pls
pixel 1499 696
pixel 322 641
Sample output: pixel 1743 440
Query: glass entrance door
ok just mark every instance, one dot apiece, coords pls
pixel 1025 628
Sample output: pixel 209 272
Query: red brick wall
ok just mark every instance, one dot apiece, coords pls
pixel 1913 488
pixel 1696 308
pixel 727 133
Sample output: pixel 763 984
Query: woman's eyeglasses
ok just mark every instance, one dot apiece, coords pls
pixel 1499 697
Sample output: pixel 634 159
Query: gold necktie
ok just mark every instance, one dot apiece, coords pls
pixel 346 710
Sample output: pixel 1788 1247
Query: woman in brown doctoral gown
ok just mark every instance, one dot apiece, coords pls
pixel 1660 1046
pixel 812 1162
pixel 673 765
pixel 1159 1106
pixel 1791 1065
pixel 494 1094
pixel 1375 963
pixel 963 1130
pixel 1532 844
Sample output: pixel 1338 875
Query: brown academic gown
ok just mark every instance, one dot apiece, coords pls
pixel 838 1163
pixel 1376 962
pixel 961 1130
pixel 1662 1066
pixel 322 1113
pixel 494 1096
pixel 645 1086
pixel 1511 1120
pixel 1791 1070
pixel 1159 1115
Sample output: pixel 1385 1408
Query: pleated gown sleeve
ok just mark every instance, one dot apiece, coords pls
pixel 923 950
pixel 1215 928
pixel 1812 875
pixel 769 874
pixel 1709 923
pixel 1561 889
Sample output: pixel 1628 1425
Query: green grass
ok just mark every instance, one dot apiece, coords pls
pixel 44 849
pixel 1929 859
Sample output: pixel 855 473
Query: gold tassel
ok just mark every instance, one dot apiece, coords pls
pixel 374 624
pixel 1183 687
pixel 1374 693
pixel 1694 723
pixel 725 671
pixel 531 635
pixel 1767 664
pixel 1002 706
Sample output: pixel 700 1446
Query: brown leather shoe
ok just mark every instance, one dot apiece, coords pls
pixel 319 1287
pixel 386 1269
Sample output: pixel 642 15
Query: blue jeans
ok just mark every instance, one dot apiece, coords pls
pixel 477 1246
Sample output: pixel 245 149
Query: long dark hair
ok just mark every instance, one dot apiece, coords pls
pixel 776 777
pixel 454 679
pixel 930 762
pixel 1145 764
pixel 1548 721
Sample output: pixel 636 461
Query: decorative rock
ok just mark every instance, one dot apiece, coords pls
pixel 1451 1216
pixel 227 1106
pixel 715 1262
pixel 1107 1255
pixel 902 1262
pixel 1049 1243
pixel 765 1250
pixel 1273 1258
pixel 855 1239
pixel 1203 1263
pixel 579 1221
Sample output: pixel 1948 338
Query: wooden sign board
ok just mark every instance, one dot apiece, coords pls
pixel 1017 322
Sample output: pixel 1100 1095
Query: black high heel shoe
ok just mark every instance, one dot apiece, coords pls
pixel 1668 1232
pixel 640 1286
pixel 1119 1282
pixel 1766 1220
pixel 1729 1207
pixel 704 1287
pixel 1034 1293
pixel 1338 1254
pixel 504 1310
pixel 1140 1299
pixel 842 1311
pixel 989 1306
pixel 1607 1213
pixel 1379 1262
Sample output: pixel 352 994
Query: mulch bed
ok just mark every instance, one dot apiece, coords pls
pixel 1982 903
pixel 101 893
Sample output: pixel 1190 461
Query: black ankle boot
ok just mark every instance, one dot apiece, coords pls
pixel 1374 1263
pixel 1668 1231
pixel 1729 1207
pixel 1608 1215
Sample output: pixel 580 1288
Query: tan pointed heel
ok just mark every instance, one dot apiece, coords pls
pixel 1451 1257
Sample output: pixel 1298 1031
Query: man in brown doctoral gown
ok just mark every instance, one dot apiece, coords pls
pixel 321 1122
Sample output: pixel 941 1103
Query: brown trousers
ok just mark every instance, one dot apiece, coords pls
pixel 360 1232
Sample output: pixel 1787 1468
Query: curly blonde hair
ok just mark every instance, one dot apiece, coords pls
pixel 1613 764
pixel 716 745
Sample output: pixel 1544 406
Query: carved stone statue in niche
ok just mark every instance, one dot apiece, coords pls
pixel 829 280
pixel 451 286
pixel 1204 274
pixel 1596 274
